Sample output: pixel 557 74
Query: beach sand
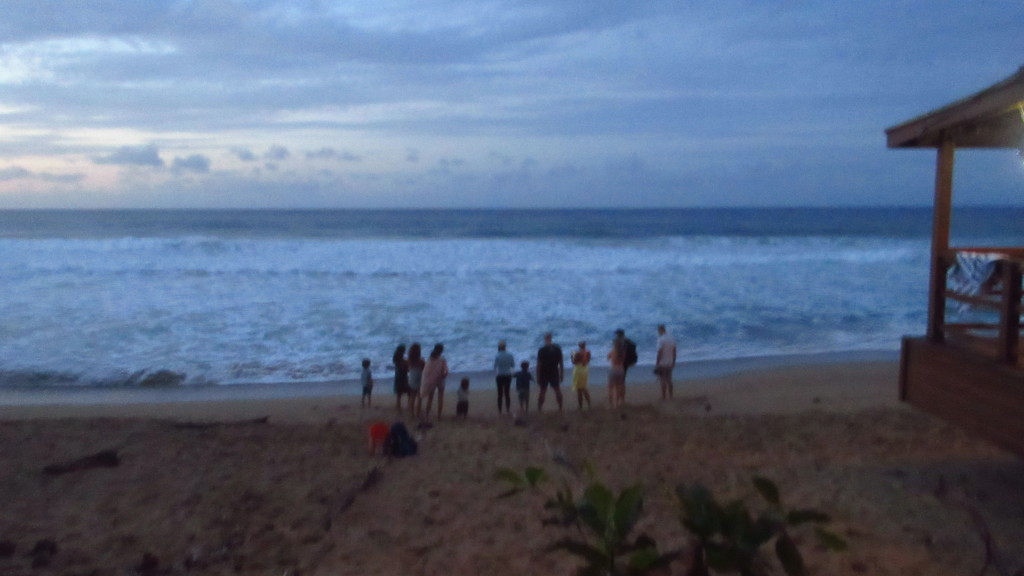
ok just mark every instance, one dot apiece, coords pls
pixel 286 486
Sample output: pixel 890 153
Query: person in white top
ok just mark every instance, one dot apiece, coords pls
pixel 666 361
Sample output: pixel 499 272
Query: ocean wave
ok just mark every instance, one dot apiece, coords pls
pixel 266 307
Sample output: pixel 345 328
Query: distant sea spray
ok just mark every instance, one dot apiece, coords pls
pixel 231 297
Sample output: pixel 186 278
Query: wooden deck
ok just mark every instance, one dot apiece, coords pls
pixel 967 389
pixel 968 369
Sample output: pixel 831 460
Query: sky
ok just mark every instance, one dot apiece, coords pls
pixel 491 104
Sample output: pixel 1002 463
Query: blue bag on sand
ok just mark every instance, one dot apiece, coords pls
pixel 400 442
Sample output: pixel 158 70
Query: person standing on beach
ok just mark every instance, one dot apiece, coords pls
pixel 416 364
pixel 401 378
pixel 666 361
pixel 628 352
pixel 523 378
pixel 504 363
pixel 550 371
pixel 434 373
pixel 581 373
pixel 366 379
pixel 617 372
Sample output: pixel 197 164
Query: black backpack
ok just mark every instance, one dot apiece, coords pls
pixel 630 347
pixel 400 443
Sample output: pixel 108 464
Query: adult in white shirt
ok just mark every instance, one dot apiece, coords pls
pixel 666 361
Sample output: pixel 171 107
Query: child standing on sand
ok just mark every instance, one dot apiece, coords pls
pixel 366 378
pixel 581 374
pixel 523 379
pixel 462 403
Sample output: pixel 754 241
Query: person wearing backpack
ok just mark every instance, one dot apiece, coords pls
pixel 665 362
pixel 617 373
pixel 628 351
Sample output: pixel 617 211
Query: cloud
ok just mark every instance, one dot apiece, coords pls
pixel 277 153
pixel 20 173
pixel 148 155
pixel 243 154
pixel 13 173
pixel 196 163
pixel 680 92
pixel 328 153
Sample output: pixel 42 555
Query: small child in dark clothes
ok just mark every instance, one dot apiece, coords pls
pixel 523 379
pixel 462 406
pixel 366 377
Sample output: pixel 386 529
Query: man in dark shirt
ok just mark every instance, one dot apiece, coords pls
pixel 550 371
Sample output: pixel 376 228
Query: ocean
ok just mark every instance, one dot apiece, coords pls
pixel 106 298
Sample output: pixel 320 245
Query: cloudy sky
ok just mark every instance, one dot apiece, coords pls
pixel 490 103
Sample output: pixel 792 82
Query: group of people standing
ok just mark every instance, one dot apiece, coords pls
pixel 418 379
pixel 550 371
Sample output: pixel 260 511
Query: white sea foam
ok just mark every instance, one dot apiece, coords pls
pixel 278 309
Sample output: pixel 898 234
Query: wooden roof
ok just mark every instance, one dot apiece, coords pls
pixel 992 118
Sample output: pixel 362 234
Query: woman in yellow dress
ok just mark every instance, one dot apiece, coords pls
pixel 581 374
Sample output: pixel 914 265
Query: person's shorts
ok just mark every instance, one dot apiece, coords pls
pixel 524 395
pixel 462 408
pixel 548 380
pixel 367 390
pixel 616 376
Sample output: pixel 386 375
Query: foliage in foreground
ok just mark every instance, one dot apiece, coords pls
pixel 725 538
pixel 604 522
pixel 728 538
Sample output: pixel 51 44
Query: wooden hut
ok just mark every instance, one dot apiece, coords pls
pixel 969 373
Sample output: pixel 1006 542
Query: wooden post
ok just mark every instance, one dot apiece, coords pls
pixel 943 207
pixel 1009 313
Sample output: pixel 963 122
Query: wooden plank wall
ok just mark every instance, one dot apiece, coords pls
pixel 982 396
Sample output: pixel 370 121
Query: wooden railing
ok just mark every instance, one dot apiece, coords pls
pixel 999 339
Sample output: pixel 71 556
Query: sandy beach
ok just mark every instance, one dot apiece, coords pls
pixel 284 485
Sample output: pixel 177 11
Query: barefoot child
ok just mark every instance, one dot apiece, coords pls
pixel 366 377
pixel 523 378
pixel 581 374
pixel 462 404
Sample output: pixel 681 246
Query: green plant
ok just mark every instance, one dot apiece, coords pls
pixel 726 538
pixel 604 521
pixel 530 478
pixel 610 520
pixel 729 537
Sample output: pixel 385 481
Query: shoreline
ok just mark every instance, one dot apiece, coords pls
pixel 690 370
pixel 737 385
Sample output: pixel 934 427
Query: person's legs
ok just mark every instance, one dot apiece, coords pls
pixel 504 392
pixel 430 404
pixel 506 389
pixel 440 401
pixel 558 395
pixel 543 385
pixel 427 392
pixel 616 387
